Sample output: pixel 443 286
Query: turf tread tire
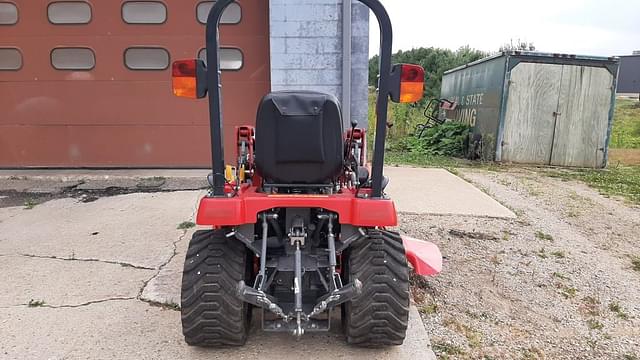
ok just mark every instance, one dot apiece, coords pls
pixel 212 314
pixel 379 316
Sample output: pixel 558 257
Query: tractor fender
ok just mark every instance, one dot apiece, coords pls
pixel 425 256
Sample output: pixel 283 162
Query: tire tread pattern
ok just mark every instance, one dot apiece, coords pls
pixel 212 314
pixel 379 316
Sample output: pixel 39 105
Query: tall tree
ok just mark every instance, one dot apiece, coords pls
pixel 435 62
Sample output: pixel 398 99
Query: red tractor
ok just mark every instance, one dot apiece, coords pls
pixel 300 224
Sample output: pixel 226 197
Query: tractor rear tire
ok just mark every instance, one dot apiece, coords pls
pixel 378 317
pixel 212 313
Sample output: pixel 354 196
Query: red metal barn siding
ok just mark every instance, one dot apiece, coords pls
pixel 112 116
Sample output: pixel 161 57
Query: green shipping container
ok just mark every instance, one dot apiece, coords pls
pixel 536 108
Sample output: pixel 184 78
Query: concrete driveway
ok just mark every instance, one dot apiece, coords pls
pixel 99 278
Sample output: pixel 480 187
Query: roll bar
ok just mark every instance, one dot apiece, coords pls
pixel 215 97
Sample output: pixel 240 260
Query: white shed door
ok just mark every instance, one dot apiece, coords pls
pixel 529 119
pixel 583 113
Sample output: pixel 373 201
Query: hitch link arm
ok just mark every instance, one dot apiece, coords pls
pixel 336 282
pixel 262 275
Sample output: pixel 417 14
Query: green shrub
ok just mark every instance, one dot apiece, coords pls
pixel 447 139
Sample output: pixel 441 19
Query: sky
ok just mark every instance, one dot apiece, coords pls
pixel 584 27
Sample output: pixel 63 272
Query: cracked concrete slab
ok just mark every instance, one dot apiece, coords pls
pixel 95 309
pixel 38 186
pixel 59 282
pixel 100 184
pixel 134 330
pixel 164 288
pixel 55 180
pixel 139 229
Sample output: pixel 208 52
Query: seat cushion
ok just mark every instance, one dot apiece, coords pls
pixel 299 137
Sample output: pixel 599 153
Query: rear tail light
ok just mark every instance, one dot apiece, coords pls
pixel 407 83
pixel 411 83
pixel 184 78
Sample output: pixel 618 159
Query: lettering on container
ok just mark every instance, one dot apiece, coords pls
pixel 467 108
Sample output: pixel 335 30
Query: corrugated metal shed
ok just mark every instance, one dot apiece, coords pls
pixel 536 108
pixel 629 78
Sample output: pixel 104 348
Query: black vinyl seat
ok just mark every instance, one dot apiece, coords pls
pixel 299 137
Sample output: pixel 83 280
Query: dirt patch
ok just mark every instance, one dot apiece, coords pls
pixel 624 156
pixel 558 282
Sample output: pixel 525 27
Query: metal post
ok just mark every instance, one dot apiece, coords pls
pixel 215 96
pixel 384 87
pixel 346 59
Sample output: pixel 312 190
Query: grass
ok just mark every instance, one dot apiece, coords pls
pixel 428 309
pixel 532 353
pixel 559 254
pixel 409 158
pixel 542 254
pixel 543 236
pixel 186 225
pixel 617 309
pixel 594 324
pixel 626 125
pixel 616 181
pixel 445 350
pixel 30 204
pixel 560 276
pixel 35 303
pixel 172 306
pixel 568 292
pixel 591 306
pixel 635 263
pixel 474 338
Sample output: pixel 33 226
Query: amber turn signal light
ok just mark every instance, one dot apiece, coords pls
pixel 184 78
pixel 411 83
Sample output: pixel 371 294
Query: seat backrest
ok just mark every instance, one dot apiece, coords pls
pixel 299 137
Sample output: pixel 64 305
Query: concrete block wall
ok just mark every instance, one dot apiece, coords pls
pixel 306 49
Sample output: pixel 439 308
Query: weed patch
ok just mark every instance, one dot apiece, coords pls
pixel 30 204
pixel 617 309
pixel 543 236
pixel 186 225
pixel 35 303
pixel 594 324
pixel 447 349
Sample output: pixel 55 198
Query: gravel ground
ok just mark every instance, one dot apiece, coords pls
pixel 557 283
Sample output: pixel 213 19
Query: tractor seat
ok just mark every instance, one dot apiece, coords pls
pixel 299 138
